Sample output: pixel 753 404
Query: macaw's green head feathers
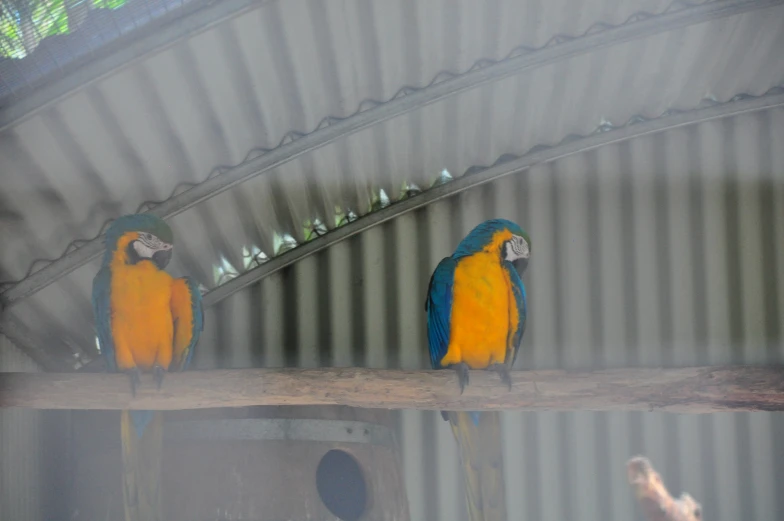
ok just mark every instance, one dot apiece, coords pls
pixel 140 236
pixel 141 223
pixel 505 237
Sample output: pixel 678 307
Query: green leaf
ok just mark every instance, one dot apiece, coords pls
pixel 109 4
pixel 60 24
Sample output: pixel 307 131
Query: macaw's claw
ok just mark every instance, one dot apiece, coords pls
pixel 157 373
pixel 462 375
pixel 503 373
pixel 136 377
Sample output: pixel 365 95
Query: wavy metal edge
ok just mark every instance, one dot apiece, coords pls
pixel 293 144
pixel 508 164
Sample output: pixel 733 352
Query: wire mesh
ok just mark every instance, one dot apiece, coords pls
pixel 365 105
pixel 40 39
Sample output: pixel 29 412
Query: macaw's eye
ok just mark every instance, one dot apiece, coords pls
pixel 147 236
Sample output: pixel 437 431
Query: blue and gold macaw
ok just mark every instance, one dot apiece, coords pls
pixel 476 312
pixel 146 321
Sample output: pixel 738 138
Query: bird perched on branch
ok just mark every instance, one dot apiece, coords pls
pixel 476 312
pixel 146 321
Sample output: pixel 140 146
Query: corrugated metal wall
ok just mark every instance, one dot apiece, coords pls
pixel 155 125
pixel 662 251
pixel 21 477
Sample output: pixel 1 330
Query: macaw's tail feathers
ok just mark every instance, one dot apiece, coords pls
pixel 479 439
pixel 142 449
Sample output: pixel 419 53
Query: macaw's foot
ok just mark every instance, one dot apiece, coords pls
pixel 462 374
pixel 157 373
pixel 503 373
pixel 136 377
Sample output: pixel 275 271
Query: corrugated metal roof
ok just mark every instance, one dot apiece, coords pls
pixel 172 117
pixel 661 251
pixel 656 251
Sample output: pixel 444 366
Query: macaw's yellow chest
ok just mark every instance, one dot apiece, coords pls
pixel 484 312
pixel 141 319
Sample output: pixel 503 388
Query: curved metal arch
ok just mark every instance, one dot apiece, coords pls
pixel 194 18
pixel 599 36
pixel 636 127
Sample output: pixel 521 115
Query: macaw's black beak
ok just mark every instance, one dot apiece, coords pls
pixel 162 257
pixel 522 264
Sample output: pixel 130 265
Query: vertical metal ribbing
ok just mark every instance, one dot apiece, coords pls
pixel 600 223
pixel 22 480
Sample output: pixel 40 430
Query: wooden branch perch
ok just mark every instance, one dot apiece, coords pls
pixel 690 390
pixel 656 502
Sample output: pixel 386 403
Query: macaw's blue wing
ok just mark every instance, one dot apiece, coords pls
pixel 439 309
pixel 518 289
pixel 188 317
pixel 102 287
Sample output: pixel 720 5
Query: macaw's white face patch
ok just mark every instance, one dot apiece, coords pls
pixel 149 247
pixel 148 244
pixel 517 248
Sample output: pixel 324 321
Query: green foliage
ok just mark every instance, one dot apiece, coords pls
pixel 109 4
pixel 60 21
pixel 10 38
pixel 24 23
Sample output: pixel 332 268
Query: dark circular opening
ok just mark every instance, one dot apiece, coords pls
pixel 341 485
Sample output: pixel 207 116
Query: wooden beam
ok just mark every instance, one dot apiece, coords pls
pixel 688 390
